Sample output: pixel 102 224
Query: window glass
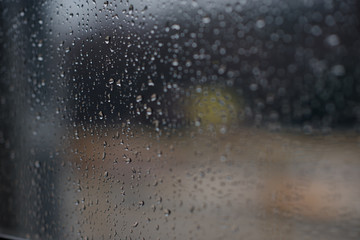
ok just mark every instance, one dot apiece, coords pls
pixel 151 119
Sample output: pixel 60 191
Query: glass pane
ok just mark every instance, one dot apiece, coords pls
pixel 180 119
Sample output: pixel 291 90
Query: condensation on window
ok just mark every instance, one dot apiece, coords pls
pixel 185 119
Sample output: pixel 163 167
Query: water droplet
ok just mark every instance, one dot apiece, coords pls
pixel 197 123
pixel 223 130
pixel 167 212
pixel 128 160
pixel 338 70
pixel 175 27
pixel 332 40
pixel 148 111
pixel 316 30
pixel 139 98
pixel 253 87
pixel 107 39
pixel 151 83
pixel 206 20
pixel 175 63
pixel 260 23
pixel 37 164
pixel 101 116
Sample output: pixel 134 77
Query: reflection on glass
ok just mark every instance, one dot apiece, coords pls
pixel 180 120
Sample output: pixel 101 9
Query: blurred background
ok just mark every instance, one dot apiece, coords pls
pixel 180 120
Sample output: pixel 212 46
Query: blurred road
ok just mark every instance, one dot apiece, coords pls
pixel 246 184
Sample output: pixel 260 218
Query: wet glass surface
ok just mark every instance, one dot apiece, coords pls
pixel 180 120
